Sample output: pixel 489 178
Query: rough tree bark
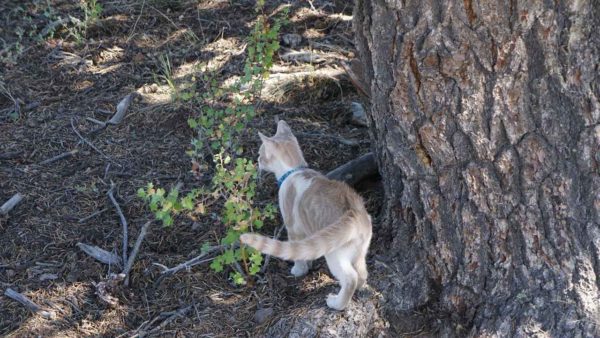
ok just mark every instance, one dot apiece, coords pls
pixel 490 109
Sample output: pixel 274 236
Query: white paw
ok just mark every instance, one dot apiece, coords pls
pixel 333 302
pixel 299 270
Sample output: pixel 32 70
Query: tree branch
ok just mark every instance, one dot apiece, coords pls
pixel 355 170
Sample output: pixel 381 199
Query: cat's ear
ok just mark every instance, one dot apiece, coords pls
pixel 264 138
pixel 283 128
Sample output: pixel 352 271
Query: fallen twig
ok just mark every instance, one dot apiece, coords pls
pixel 302 56
pixel 88 142
pixel 119 114
pixel 11 155
pixel 10 204
pixel 135 250
pixel 59 157
pixel 189 263
pixel 100 254
pixel 172 315
pixel 123 220
pixel 94 214
pixel 29 304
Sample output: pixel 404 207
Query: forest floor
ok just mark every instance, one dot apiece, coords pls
pixel 54 77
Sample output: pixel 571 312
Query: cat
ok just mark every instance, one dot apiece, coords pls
pixel 323 217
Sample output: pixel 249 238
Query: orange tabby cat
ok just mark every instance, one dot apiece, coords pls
pixel 322 217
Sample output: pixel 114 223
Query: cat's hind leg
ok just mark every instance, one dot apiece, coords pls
pixel 341 267
pixel 360 265
pixel 300 268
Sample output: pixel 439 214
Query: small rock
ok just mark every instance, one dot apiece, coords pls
pixel 291 40
pixel 262 315
pixel 359 115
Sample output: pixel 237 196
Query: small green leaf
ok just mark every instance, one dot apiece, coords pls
pixel 217 264
pixel 237 278
pixel 228 257
pixel 231 237
pixel 187 202
pixel 205 247
pixel 192 123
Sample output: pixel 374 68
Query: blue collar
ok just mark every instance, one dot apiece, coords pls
pixel 287 174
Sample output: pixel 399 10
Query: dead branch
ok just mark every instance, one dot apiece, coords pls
pixel 302 56
pixel 10 204
pixel 172 315
pixel 88 142
pixel 100 254
pixel 135 250
pixel 59 157
pixel 103 288
pixel 94 214
pixel 123 219
pixel 29 304
pixel 189 263
pixel 355 170
pixel 11 155
pixel 118 116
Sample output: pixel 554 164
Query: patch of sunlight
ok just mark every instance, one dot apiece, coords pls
pixel 188 69
pixel 303 13
pixel 82 85
pixel 155 94
pixel 107 69
pixel 225 298
pixel 312 33
pixel 146 41
pixel 231 45
pixel 341 17
pixel 68 301
pixel 180 34
pixel 113 54
pixel 211 5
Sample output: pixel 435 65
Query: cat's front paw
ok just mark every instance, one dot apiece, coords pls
pixel 299 270
pixel 333 301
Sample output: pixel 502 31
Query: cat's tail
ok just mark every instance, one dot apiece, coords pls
pixel 312 247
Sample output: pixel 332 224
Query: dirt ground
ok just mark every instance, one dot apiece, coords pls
pixel 53 78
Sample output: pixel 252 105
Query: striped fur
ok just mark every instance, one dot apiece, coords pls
pixel 315 246
pixel 322 218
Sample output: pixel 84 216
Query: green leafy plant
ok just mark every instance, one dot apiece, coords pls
pixel 166 205
pixel 222 120
pixel 91 13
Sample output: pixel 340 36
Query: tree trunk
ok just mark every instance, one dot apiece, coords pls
pixel 486 120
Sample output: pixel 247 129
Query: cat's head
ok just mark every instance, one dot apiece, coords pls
pixel 280 152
